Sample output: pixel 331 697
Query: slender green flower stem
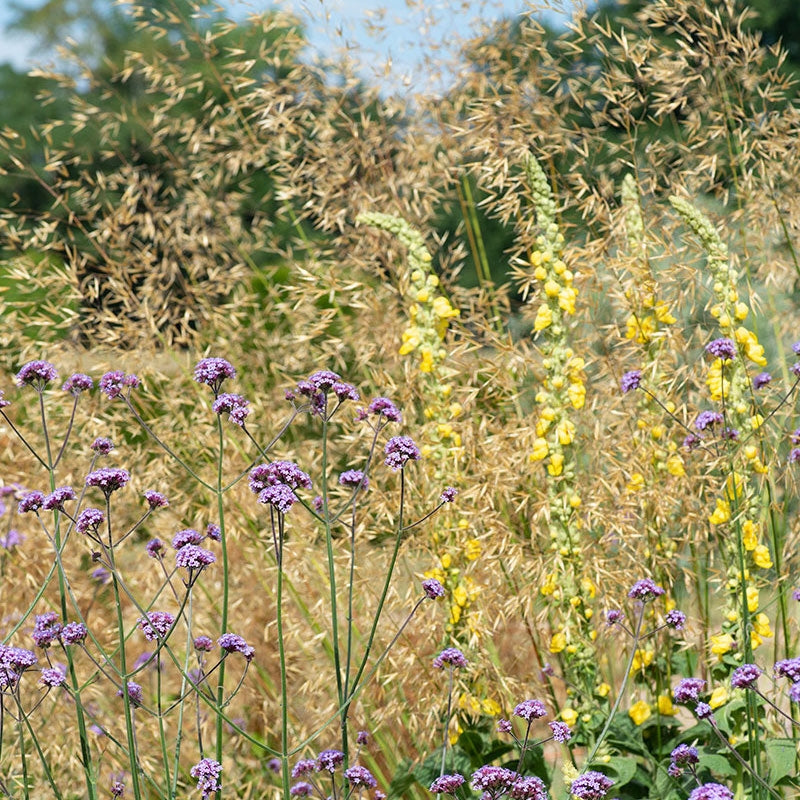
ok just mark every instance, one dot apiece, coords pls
pixel 173 788
pixel 282 654
pixel 447 720
pixel 225 588
pixel 123 667
pixel 24 760
pixel 609 720
pixel 161 732
pixel 35 740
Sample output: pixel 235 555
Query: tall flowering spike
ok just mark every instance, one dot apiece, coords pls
pixel 37 374
pixel 78 383
pixel 213 372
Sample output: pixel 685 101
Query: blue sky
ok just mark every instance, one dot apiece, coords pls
pixel 390 36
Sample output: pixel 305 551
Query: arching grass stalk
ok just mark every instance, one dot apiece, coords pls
pixel 636 635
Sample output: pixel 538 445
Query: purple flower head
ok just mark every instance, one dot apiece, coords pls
pixel 156 625
pixel 504 726
pixel 233 643
pixel 214 532
pixel 8 677
pixel 274 765
pixel 17 658
pixel 761 380
pixel 102 575
pixel 113 383
pixel 547 671
pixel 796 594
pixel 37 374
pixel 683 755
pixel 432 588
pixel 530 788
pixel 691 441
pixel 324 380
pixel 52 678
pixel 722 348
pixel 353 478
pixel 204 644
pixel 329 760
pixel 285 472
pixel 78 383
pixel 279 496
pixel 745 677
pixel 135 694
pixel 788 668
pixel 186 536
pixel 794 692
pixel 794 455
pixel 56 499
pixel 3 401
pixel 795 369
pixel 530 710
pixel 688 690
pixel 703 711
pixel 490 778
pixel 317 503
pixel 613 616
pixel 155 499
pixel 447 784
pixel 362 737
pixel 193 557
pixel 236 407
pixel 73 633
pixel 102 445
pixel 449 494
pixel 399 451
pixel 360 776
pixel 729 433
pixel 711 791
pixel 591 786
pixel 155 548
pixel 795 436
pixel 675 619
pixel 46 629
pixel 630 380
pixel 561 731
pixel 32 501
pixel 207 772
pixel 108 479
pixel 117 788
pixel 645 590
pixel 305 766
pixel 450 656
pixel 384 408
pixel 345 391
pixel 11 540
pixel 213 371
pixel 707 419
pixel 301 789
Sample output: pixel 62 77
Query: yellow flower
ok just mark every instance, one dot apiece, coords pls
pixel 575 501
pixel 443 309
pixel 540 273
pixel 755 640
pixel 641 658
pixel 761 625
pixel 741 311
pixel 455 613
pixel 491 707
pixel 565 431
pixel 718 697
pixel 639 712
pixel 569 715
pixel 460 595
pixel 566 299
pixel 426 362
pixel 761 556
pixel 472 549
pixel 603 689
pixel 675 466
pixel 663 314
pixel 636 482
pixel 551 288
pixel 455 409
pixel 577 395
pixel 436 574
pixel 549 585
pixel 411 339
pixel 556 464
pixel 721 643
pixel 558 642
pixel 722 513
pixel 752 599
pixel 544 318
pixel 750 535
pixel 540 450
pixel 588 587
pixel 665 707
pixel 446 560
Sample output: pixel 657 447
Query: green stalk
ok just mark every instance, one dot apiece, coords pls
pixel 282 653
pixel 225 591
pixel 173 789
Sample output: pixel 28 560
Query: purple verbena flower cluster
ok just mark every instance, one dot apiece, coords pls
pixel 207 772
pixel 399 451
pixel 114 383
pixel 645 590
pixel 450 656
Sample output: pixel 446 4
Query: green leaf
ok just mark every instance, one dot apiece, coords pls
pixel 715 762
pixel 402 780
pixel 781 757
pixel 622 770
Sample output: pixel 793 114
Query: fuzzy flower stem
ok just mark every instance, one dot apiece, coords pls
pixel 123 667
pixel 621 692
pixel 225 588
pixel 23 439
pixel 447 719
pixel 67 434
pixel 422 519
pixel 136 526
pixel 163 446
pixel 779 710
pixel 524 745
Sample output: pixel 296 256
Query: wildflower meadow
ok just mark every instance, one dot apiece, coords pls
pixel 369 437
